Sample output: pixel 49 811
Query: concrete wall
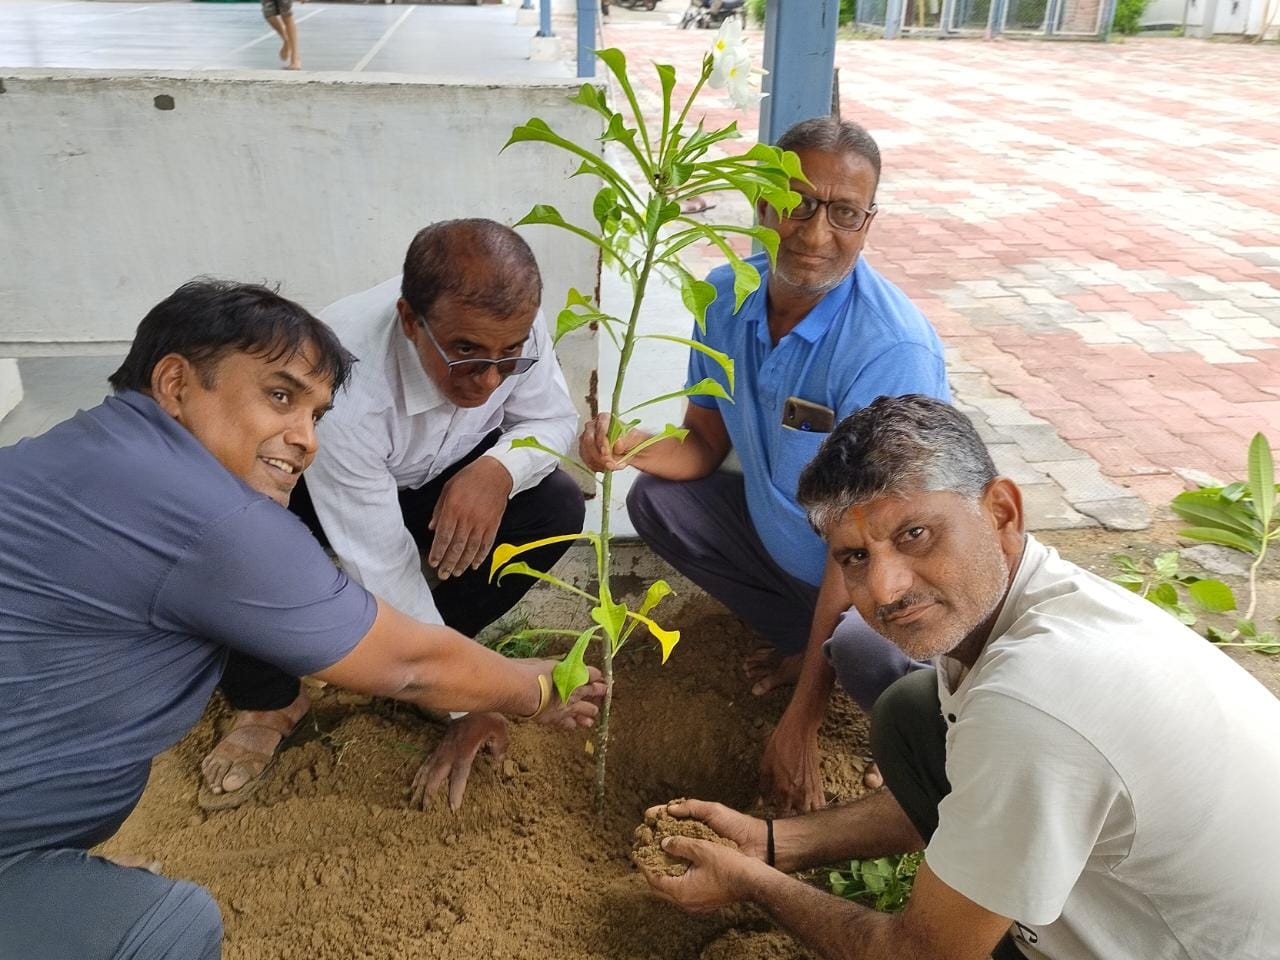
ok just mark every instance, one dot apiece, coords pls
pixel 10 386
pixel 119 186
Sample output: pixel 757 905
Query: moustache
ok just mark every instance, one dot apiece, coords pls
pixel 903 603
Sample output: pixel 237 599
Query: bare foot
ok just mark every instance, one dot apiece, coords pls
pixel 284 50
pixel 294 65
pixel 768 669
pixel 871 778
pixel 244 754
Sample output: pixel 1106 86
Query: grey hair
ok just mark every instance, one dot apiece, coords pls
pixel 893 447
pixel 833 135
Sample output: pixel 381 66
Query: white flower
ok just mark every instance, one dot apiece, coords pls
pixel 729 41
pixel 735 74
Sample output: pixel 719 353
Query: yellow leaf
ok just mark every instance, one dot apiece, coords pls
pixel 503 553
pixel 666 638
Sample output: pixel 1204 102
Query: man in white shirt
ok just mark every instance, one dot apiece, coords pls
pixel 455 366
pixel 1084 773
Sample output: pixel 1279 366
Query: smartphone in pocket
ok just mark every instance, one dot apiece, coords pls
pixel 807 416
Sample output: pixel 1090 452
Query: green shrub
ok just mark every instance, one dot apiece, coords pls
pixel 755 11
pixel 848 10
pixel 1128 13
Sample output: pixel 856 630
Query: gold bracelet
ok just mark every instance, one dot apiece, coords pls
pixel 544 697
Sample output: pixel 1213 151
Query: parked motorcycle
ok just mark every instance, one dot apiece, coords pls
pixel 705 14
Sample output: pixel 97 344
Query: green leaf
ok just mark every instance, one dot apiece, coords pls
pixel 571 672
pixel 1164 595
pixel 589 96
pixel 1225 538
pixel 696 295
pixel 1206 508
pixel 836 881
pixel 668 432
pixel 706 387
pixel 746 280
pixel 1233 491
pixel 524 569
pixel 1166 565
pixel 604 204
pixel 725 361
pixel 1130 581
pixel 1262 479
pixel 534 444
pixel 1212 595
pixel 610 615
pixel 872 877
pixel 1247 628
pixel 1125 563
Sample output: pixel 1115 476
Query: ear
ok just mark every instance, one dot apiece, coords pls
pixel 1003 503
pixel 408 319
pixel 171 379
pixel 766 215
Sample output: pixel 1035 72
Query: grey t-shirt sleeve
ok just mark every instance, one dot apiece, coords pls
pixel 257 581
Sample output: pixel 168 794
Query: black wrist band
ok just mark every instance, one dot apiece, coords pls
pixel 768 843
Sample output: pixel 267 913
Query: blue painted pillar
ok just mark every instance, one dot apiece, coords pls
pixel 800 55
pixel 587 10
pixel 526 5
pixel 544 18
pixel 893 19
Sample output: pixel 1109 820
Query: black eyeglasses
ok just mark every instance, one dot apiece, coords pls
pixel 840 214
pixel 475 368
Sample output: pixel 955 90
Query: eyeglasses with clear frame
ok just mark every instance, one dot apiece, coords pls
pixel 474 368
pixel 840 213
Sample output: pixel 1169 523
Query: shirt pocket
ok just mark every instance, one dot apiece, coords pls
pixel 791 454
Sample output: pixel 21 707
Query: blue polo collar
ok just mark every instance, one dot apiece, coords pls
pixel 818 320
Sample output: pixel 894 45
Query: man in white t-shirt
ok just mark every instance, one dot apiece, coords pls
pixel 1087 777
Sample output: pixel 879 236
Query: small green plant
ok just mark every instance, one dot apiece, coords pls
pixel 883 884
pixel 514 638
pixel 755 11
pixel 1128 16
pixel 1241 516
pixel 1163 583
pixel 640 230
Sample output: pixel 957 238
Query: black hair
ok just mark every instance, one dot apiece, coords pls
pixel 205 319
pixel 479 263
pixel 832 135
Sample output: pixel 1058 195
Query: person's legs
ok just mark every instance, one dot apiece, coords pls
pixel 909 743
pixel 469 602
pixel 68 905
pixel 271 14
pixel 866 664
pixel 701 528
pixel 291 38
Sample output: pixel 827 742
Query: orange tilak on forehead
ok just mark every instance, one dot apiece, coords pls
pixel 859 519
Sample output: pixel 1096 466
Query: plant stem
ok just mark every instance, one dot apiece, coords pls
pixel 606 494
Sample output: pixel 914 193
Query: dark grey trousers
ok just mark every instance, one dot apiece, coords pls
pixel 909 743
pixel 701 528
pixel 67 905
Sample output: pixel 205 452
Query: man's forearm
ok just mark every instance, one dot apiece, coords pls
pixel 674 459
pixel 813 689
pixel 833 928
pixel 874 826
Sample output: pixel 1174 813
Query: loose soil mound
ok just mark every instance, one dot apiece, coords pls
pixel 327 861
pixel 648 853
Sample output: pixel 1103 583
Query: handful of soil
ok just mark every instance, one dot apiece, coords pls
pixel 647 852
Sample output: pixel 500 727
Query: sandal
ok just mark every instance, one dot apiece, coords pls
pixel 274 721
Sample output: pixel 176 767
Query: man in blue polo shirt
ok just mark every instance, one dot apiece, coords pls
pixel 143 540
pixel 822 337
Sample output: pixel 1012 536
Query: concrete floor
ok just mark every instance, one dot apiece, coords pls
pixel 429 39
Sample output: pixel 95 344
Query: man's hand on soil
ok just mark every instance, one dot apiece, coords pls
pixel 749 833
pixel 790 777
pixel 452 759
pixel 467 515
pixel 584 703
pixel 717 875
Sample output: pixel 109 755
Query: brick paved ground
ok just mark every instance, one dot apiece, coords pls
pixel 1095 232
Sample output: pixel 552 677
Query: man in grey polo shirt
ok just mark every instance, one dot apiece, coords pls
pixel 143 540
